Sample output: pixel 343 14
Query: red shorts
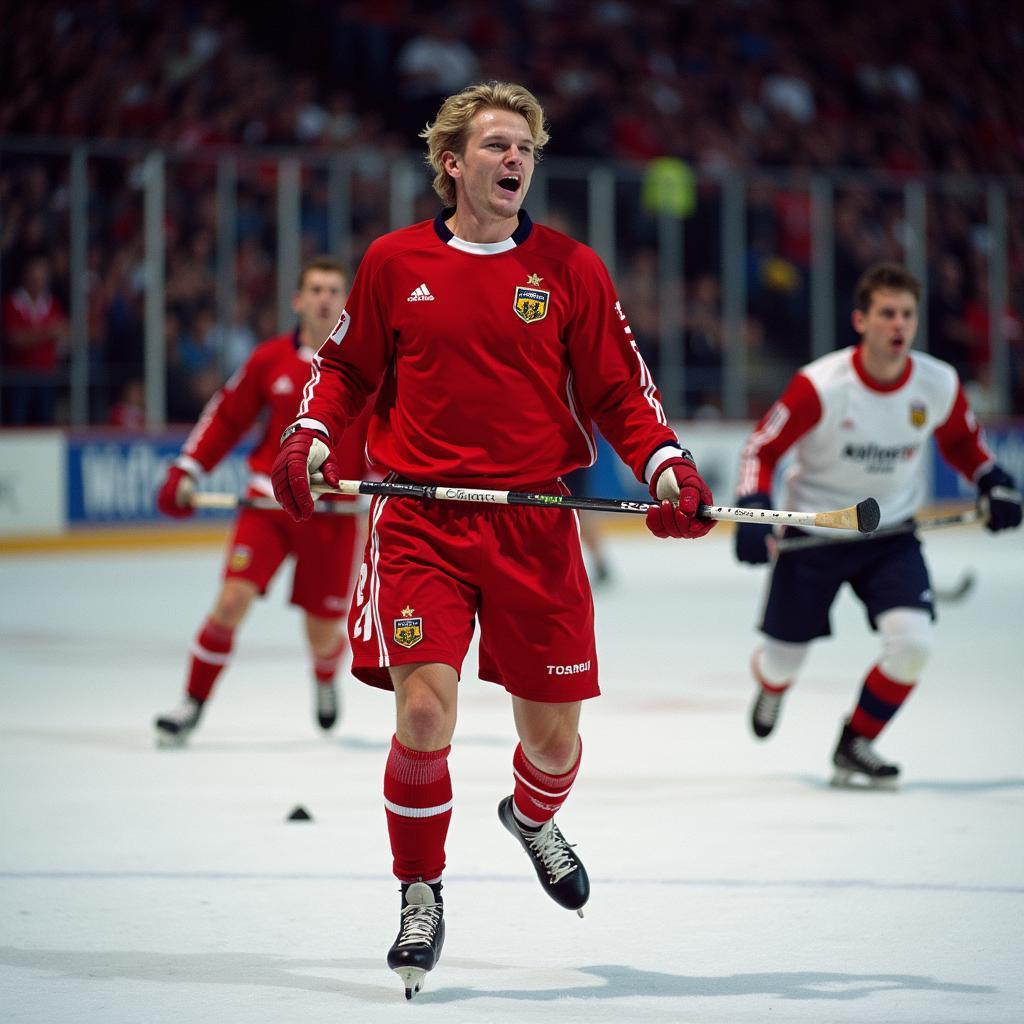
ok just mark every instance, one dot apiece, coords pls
pixel 324 550
pixel 431 569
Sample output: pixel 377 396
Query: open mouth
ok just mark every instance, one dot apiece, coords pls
pixel 509 184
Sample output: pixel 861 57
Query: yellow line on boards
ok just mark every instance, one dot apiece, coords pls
pixel 116 539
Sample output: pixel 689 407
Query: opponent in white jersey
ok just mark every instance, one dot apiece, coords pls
pixel 857 422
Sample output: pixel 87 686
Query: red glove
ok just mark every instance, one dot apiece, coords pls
pixel 303 452
pixel 680 489
pixel 175 495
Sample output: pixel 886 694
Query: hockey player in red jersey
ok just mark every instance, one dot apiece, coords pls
pixel 858 421
pixel 270 381
pixel 496 342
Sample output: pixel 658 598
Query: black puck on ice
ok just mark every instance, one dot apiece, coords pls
pixel 300 814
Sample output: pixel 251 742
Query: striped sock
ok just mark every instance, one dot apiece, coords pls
pixel 418 803
pixel 211 653
pixel 755 668
pixel 326 668
pixel 880 699
pixel 538 796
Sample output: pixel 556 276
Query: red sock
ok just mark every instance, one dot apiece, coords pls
pixel 211 652
pixel 418 802
pixel 880 699
pixel 538 796
pixel 326 668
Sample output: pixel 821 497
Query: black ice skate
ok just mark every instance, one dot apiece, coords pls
pixel 174 728
pixel 764 715
pixel 857 764
pixel 561 873
pixel 417 948
pixel 326 704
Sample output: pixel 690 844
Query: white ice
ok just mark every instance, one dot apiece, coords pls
pixel 730 883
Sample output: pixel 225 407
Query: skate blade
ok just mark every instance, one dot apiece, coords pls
pixel 845 779
pixel 413 978
pixel 170 740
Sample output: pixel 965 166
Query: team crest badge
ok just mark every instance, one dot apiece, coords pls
pixel 918 414
pixel 241 558
pixel 408 630
pixel 531 304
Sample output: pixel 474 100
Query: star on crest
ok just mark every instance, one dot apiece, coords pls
pixel 407 611
pixel 533 279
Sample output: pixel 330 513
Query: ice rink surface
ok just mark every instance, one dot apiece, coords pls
pixel 730 882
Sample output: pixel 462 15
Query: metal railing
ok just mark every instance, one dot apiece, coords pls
pixel 706 224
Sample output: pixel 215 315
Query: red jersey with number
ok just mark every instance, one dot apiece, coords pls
pixel 492 361
pixel 270 380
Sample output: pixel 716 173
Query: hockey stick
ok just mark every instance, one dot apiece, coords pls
pixel 971 515
pixel 217 500
pixel 951 595
pixel 863 516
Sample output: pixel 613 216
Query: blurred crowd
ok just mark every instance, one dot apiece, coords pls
pixel 922 88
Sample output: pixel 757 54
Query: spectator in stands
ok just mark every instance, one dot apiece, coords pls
pixel 719 86
pixel 35 339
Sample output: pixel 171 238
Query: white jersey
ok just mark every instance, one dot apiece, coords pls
pixel 852 437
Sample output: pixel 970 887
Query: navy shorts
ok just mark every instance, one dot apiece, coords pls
pixel 884 574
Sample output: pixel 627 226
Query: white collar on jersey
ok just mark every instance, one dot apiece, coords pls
pixel 517 237
pixel 481 248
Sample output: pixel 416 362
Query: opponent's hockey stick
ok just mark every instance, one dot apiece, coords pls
pixel 971 515
pixel 218 500
pixel 863 516
pixel 957 592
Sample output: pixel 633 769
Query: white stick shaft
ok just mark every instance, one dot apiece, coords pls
pixel 767 515
pixel 208 499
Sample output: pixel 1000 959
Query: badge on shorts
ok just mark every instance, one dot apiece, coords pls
pixel 531 304
pixel 241 558
pixel 408 630
pixel 918 414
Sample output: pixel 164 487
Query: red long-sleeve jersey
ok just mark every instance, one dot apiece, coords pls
pixel 270 380
pixel 492 361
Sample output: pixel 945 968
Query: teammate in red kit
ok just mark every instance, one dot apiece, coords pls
pixel 859 422
pixel 495 343
pixel 271 380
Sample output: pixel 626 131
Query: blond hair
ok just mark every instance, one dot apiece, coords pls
pixel 450 129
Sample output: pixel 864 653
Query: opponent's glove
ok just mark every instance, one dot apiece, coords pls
pixel 752 538
pixel 999 500
pixel 681 490
pixel 303 452
pixel 175 495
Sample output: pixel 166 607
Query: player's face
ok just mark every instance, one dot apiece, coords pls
pixel 887 328
pixel 319 302
pixel 493 175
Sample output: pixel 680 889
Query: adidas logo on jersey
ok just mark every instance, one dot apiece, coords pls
pixel 282 386
pixel 421 294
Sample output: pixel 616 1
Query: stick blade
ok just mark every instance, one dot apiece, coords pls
pixel 868 515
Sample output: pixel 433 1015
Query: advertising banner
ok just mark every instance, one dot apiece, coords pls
pixel 115 479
